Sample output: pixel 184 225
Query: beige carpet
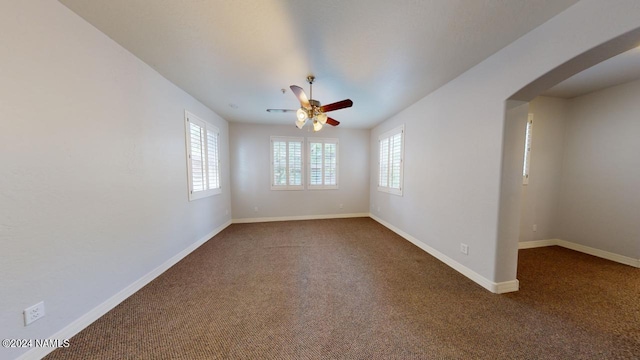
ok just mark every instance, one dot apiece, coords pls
pixel 350 288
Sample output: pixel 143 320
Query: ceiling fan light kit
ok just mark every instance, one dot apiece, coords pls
pixel 302 114
pixel 316 125
pixel 312 109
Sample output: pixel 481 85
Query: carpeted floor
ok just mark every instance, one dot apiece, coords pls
pixel 352 289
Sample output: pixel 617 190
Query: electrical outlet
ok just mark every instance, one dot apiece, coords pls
pixel 341 206
pixel 33 313
pixel 255 208
pixel 535 227
pixel 226 212
pixel 464 248
pixel 378 208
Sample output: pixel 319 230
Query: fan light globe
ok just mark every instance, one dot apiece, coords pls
pixel 317 126
pixel 322 118
pixel 300 123
pixel 301 114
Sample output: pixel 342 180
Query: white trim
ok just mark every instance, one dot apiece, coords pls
pixel 391 132
pixel 498 288
pixel 301 217
pixel 507 286
pixel 583 249
pixel 537 243
pixel 600 253
pixel 85 320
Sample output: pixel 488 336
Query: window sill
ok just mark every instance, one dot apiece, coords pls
pixel 312 187
pixel 203 194
pixel 287 188
pixel 391 191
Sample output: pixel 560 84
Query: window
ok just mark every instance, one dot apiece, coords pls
pixel 527 151
pixel 203 159
pixel 391 145
pixel 323 163
pixel 286 163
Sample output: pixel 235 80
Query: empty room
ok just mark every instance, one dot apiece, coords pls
pixel 298 179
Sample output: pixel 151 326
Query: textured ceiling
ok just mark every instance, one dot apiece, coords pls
pixel 235 56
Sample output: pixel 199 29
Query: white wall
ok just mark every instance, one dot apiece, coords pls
pixel 599 205
pixel 540 196
pixel 516 114
pixel 93 183
pixel 584 171
pixel 251 174
pixel 454 143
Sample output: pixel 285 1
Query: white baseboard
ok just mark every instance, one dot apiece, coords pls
pixel 537 243
pixel 301 217
pixel 583 249
pixel 507 286
pixel 498 288
pixel 85 320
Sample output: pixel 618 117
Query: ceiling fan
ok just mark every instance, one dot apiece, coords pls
pixel 311 109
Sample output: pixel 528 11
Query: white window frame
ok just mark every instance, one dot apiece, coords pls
pixel 288 140
pixel 527 150
pixel 384 184
pixel 322 141
pixel 212 184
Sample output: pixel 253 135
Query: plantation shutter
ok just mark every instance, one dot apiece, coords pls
pixel 203 157
pixel 279 149
pixel 286 163
pixel 395 153
pixel 295 163
pixel 330 164
pixel 213 161
pixel 527 151
pixel 315 163
pixel 384 163
pixel 197 157
pixel 390 161
pixel 323 164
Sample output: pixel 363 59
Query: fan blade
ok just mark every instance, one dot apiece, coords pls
pixel 337 105
pixel 280 110
pixel 333 122
pixel 304 101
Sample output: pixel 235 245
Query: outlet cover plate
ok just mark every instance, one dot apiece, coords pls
pixel 33 313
